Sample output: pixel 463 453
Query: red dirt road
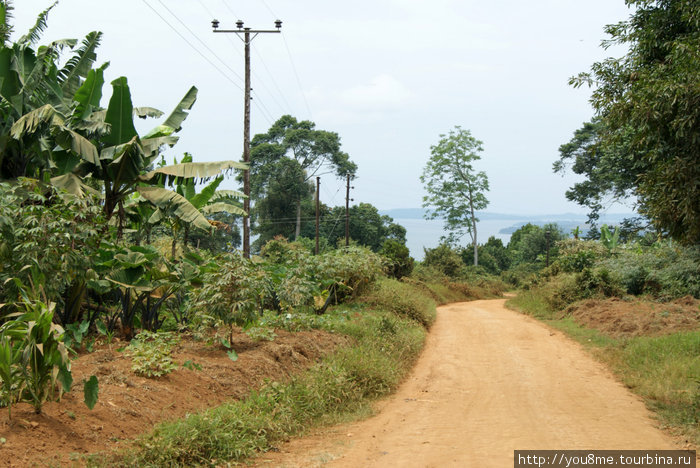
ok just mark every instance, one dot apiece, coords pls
pixel 489 381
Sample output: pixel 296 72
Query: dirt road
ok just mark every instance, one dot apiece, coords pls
pixel 489 381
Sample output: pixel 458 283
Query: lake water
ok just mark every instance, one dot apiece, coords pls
pixel 422 233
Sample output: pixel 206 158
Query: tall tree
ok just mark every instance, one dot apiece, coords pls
pixel 455 189
pixel 647 102
pixel 299 152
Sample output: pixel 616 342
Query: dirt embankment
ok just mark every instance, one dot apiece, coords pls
pixel 490 381
pixel 130 405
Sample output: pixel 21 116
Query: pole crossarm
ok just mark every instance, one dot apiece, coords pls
pixel 242 31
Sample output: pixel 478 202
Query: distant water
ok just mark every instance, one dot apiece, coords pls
pixel 422 233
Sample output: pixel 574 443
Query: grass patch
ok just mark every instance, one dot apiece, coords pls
pixel 663 370
pixel 403 299
pixel 338 388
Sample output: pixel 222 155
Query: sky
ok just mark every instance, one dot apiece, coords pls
pixel 389 76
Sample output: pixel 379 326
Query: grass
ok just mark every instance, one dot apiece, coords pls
pixel 664 370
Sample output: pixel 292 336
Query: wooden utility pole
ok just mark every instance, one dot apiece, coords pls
pixel 318 186
pixel 347 213
pixel 247 39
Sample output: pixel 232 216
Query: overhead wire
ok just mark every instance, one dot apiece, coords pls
pixel 259 103
pixel 291 61
pixel 262 61
pixel 227 77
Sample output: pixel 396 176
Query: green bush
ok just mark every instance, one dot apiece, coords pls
pixel 400 263
pixel 665 270
pixel 444 259
pixel 576 255
pixel 47 237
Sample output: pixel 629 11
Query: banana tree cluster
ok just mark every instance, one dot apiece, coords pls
pixel 53 127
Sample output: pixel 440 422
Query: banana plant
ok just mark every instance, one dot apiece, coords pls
pixel 609 239
pixel 31 78
pixel 118 157
pixel 208 201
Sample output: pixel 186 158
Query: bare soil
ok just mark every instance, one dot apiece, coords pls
pixel 130 405
pixel 489 381
pixel 627 318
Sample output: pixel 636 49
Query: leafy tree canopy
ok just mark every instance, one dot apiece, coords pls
pixel 282 163
pixel 647 103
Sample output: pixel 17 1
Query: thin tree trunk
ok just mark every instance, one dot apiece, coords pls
pixel 297 231
pixel 471 207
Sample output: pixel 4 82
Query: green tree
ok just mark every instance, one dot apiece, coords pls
pixel 529 244
pixel 611 171
pixel 367 226
pixel 455 189
pixel 493 256
pixel 444 259
pixel 647 102
pixel 294 151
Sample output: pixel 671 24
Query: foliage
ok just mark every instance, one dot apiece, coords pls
pixel 611 171
pixel 402 299
pixel 33 357
pixel 444 259
pixel 529 243
pixel 647 105
pixel 47 237
pixel 455 189
pixel 31 80
pixel 493 256
pixel 664 271
pixel 282 162
pixel 151 353
pixel 609 239
pixel 576 255
pixel 398 255
pixel 367 227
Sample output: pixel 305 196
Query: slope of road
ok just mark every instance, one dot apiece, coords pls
pixel 489 381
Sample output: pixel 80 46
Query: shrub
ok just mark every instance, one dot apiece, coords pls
pixel 664 271
pixel 444 259
pixel 400 263
pixel 576 255
pixel 151 353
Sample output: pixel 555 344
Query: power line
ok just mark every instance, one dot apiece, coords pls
pixel 294 68
pixel 200 40
pixel 193 47
pixel 259 103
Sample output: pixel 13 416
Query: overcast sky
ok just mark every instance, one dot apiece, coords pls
pixel 389 76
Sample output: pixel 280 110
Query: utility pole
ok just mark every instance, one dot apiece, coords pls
pixel 247 39
pixel 347 212
pixel 546 238
pixel 318 186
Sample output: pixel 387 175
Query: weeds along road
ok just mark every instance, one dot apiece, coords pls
pixel 489 381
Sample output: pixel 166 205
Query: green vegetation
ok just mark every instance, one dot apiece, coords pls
pixel 455 189
pixel 643 144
